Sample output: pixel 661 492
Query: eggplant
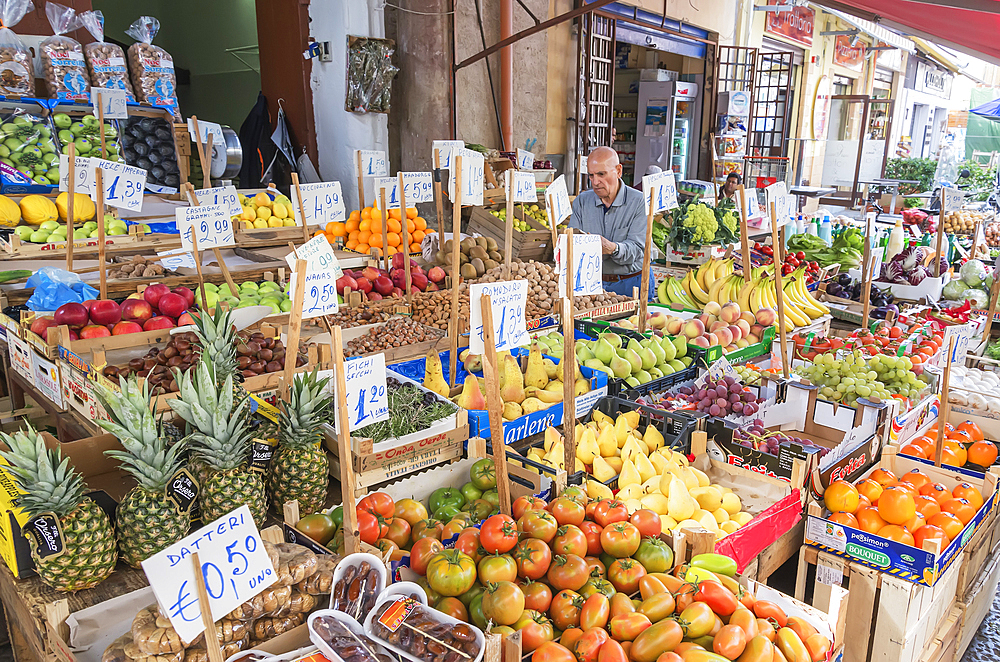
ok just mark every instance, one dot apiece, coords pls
pixel 844 279
pixel 127 139
pixel 163 134
pixel 169 166
pixel 834 289
pixel 157 172
pixel 130 156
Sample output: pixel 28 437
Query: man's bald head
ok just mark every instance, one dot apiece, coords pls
pixel 604 156
pixel 605 172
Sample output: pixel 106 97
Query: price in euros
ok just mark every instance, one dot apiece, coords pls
pixel 368 404
pixel 220 580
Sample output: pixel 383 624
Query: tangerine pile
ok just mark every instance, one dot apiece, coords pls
pixel 964 445
pixel 908 510
pixel 363 230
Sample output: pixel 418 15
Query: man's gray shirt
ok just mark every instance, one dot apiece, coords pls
pixel 623 223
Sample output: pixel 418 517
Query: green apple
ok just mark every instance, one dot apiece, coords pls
pixel 249 285
pixel 116 231
pixel 83 145
pixel 49 225
pixel 66 136
pixel 39 236
pixel 41 179
pixel 80 233
pixel 90 226
pixel 61 230
pixel 211 298
pixel 49 157
pixel 62 120
pixel 77 128
pixel 89 120
pixel 211 287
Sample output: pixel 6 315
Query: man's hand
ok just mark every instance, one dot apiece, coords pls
pixel 608 247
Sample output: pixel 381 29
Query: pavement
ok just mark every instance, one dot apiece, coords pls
pixel 985 647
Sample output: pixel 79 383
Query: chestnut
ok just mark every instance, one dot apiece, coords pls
pixel 243 362
pixel 249 373
pixel 265 354
pixel 273 366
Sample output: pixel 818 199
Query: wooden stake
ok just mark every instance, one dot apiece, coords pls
pixel 945 407
pixel 199 145
pixel 569 364
pixel 70 200
pixel 206 168
pixel 294 331
pixel 100 118
pixel 508 231
pixel 994 292
pixel 866 278
pixel 211 636
pixel 361 180
pixel 779 293
pixel 385 231
pixel 218 254
pixel 975 241
pixel 101 257
pixel 646 271
pixel 494 405
pixel 404 221
pixel 352 537
pixel 197 265
pixel 302 208
pixel 744 233
pixel 940 237
pixel 456 230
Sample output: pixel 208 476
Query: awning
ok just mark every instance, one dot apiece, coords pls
pixel 875 30
pixel 936 55
pixel 965 30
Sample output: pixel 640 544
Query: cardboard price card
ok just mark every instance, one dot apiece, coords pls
pixel 177 259
pixel 318 255
pixel 209 223
pixel 473 176
pixel 320 294
pixel 83 174
pixel 373 163
pixel 951 199
pixel 508 301
pixel 754 209
pixel 588 264
pixel 205 129
pixel 521 186
pixel 323 202
pixel 662 190
pixel 444 149
pixel 417 187
pixel 234 565
pixel 525 160
pixel 123 184
pixel 557 201
pixel 784 204
pixel 113 101
pixel 367 400
pixel 226 196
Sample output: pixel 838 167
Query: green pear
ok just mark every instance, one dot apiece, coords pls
pixel 655 372
pixel 680 344
pixel 632 381
pixel 676 365
pixel 583 353
pixel 613 338
pixel 657 350
pixel 621 367
pixel 668 347
pixel 643 377
pixel 604 351
pixel 633 359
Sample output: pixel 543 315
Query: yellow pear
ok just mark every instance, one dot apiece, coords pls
pixel 534 374
pixel 707 520
pixel 607 443
pixel 578 465
pixel 587 449
pixel 720 515
pixel 680 504
pixel 659 462
pixel 597 490
pixel 633 505
pixel 688 524
pixel 535 454
pixel 622 429
pixel 690 480
pixel 652 437
pixel 551 437
pixel 723 489
pixel 645 468
pixel 602 470
pixel 632 418
pixel 551 369
pixel 742 518
pixel 673 467
pixel 631 448
pixel 606 423
pixel 599 416
pixel 729 526
pixel 655 502
pixel 652 486
pixel 615 462
pixel 731 503
pixel 702 477
pixel 580 386
pixel 556 455
pixel 681 459
pixel 667 523
pixel 511 411
pixel 708 498
pixel 629 475
pixel 630 491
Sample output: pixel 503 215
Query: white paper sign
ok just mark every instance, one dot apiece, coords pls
pixel 177 259
pixel 473 176
pixel 323 202
pixel 206 128
pixel 720 369
pixel 525 160
pixel 234 565
pixel 508 301
pixel 20 356
pixel 444 149
pixel 829 576
pixel 557 201
pixel 210 223
pixel 583 165
pixel 953 199
pixel 318 255
pixel 320 294
pixel 114 102
pixel 784 204
pixel 221 195
pixel 367 401
pixel 418 187
pixel 588 264
pixel 524 187
pixel 83 174
pixel 962 334
pixel 754 209
pixel 123 184
pixel 662 189
pixel 373 163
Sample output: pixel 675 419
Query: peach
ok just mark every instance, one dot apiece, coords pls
pixel 674 326
pixel 724 336
pixel 742 342
pixel 735 331
pixel 700 341
pixel 713 339
pixel 719 324
pixel 748 316
pixel 744 326
pixel 730 348
pixel 694 328
pixel 757 330
pixel 752 339
pixel 766 317
pixel 706 319
pixel 713 308
pixel 656 321
pixel 730 312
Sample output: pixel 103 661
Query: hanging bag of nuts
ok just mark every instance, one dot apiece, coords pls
pixel 105 61
pixel 62 57
pixel 152 67
pixel 17 75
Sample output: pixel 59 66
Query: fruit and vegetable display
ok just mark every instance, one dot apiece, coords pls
pixel 29 148
pixel 716 397
pixel 519 223
pixel 907 267
pixel 476 256
pixel 965 446
pixel 922 220
pixel 793 260
pixel 248 293
pixel 976 389
pixel 84 133
pixel 364 230
pixel 377 283
pixel 847 248
pixel 411 409
pixel 963 221
pixel 396 332
pixel 973 283
pixel 635 361
pixel 853 376
pixel 136 267
pixel 694 223
pixel 148 143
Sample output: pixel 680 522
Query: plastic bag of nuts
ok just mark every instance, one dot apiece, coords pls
pixel 17 75
pixel 106 62
pixel 152 67
pixel 62 57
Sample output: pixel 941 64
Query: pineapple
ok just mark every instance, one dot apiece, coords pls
pixel 51 486
pixel 148 520
pixel 221 440
pixel 217 338
pixel 299 468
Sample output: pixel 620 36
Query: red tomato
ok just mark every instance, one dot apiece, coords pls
pixel 621 604
pixel 620 539
pixel 565 609
pixel 730 641
pixel 624 575
pixel 608 512
pixel 537 596
pixel 647 522
pixel 746 620
pixel 525 503
pixel 498 534
pixel 589 645
pixel 453 607
pixel 550 651
pixel 379 503
pixel 535 630
pixel 567 511
pixel 538 524
pixel 612 651
pixel 766 629
pixel 765 609
pixel 597 568
pixel 533 558
pixel 468 543
pixel 593 532
pixel 758 649
pixel 595 612
pixel 626 627
pixel 369 527
pixel 569 637
pixel 497 568
pixel 685 596
pixel 570 540
pixel 718 597
pixel 427 528
pixel 568 571
pixel 399 532
pixel 421 553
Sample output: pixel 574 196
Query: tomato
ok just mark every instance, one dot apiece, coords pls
pixel 647 522
pixel 523 504
pixel 483 474
pixel 650 586
pixel 654 554
pixel 597 585
pixel 745 619
pixel 661 637
pixel 612 651
pixel 670 656
pixel 432 595
pixel 685 596
pixel 577 493
pixel 379 503
pixel 610 511
pixel 758 649
pixel 718 597
pixel 570 540
pixel 453 607
pixel 469 596
pixel 621 604
pixel 503 603
pixel 468 543
pixel 535 630
pixel 476 612
pixel 717 563
pixel 565 609
pixel 595 612
pixel 791 646
pixel 471 493
pixel 320 527
pixel 445 496
pixel 597 568
pixel 450 572
pixel 389 547
pixel 569 637
pixel 624 575
pixel 368 527
pixel 426 528
pixel 537 596
pixel 765 609
pixel 730 641
pixel 592 530
pixel 567 511
pixel 766 628
pixel 550 651
pixel 620 539
pixel 657 607
pixel 818 647
pixel 452 529
pixel 533 558
pixel 626 627
pixel 697 620
pixel 801 627
pixel 497 568
pixel 588 647
pixel 498 534
pixel 568 571
pixel 538 524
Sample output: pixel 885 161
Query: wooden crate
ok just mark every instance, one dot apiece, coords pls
pixel 944 643
pixel 134 241
pixel 977 604
pixel 261 237
pixel 981 547
pixel 534 244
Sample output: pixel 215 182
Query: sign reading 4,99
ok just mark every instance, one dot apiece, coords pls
pixel 320 294
pixel 209 223
pixel 523 185
pixel 588 264
pixel 234 565
pixel 123 184
pixel 367 401
pixel 508 301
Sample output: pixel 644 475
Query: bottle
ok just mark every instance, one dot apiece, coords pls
pixel 800 225
pixel 896 240
pixel 826 230
pixel 811 227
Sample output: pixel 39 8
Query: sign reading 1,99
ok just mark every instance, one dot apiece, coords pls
pixel 473 173
pixel 508 301
pixel 588 264
pixel 227 196
pixel 123 184
pixel 209 223
pixel 323 202
pixel 367 401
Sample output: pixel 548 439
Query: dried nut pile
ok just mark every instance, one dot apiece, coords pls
pixel 152 71
pixel 348 317
pixel 64 69
pixel 397 332
pixel 139 267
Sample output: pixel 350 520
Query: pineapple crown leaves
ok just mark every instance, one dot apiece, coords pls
pixel 217 337
pixel 131 417
pixel 221 435
pixel 307 404
pixel 44 475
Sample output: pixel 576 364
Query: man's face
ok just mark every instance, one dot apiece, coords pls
pixel 731 185
pixel 603 177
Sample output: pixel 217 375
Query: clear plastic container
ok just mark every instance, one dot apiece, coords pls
pixel 407 590
pixel 353 626
pixel 360 609
pixel 479 639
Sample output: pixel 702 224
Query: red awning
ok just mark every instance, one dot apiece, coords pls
pixel 972 32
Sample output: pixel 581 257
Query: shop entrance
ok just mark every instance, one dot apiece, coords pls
pixel 856 145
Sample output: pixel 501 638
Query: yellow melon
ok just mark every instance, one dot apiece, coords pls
pixel 36 209
pixel 84 208
pixel 10 213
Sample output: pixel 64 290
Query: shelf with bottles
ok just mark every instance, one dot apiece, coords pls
pixel 625 114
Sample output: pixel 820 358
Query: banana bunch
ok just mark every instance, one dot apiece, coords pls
pixel 800 307
pixel 671 291
pixel 698 282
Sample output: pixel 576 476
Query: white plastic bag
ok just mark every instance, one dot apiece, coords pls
pixel 65 70
pixel 105 61
pixel 152 67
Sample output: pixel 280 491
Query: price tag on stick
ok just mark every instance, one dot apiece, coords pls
pixel 318 255
pixel 234 565
pixel 588 264
pixel 207 129
pixel 525 160
pixel 557 201
pixel 509 300
pixel 226 196
pixel 662 189
pixel 373 163
pixel 524 186
pixel 473 174
pixel 177 259
pixel 367 401
pixel 123 184
pixel 323 202
pixel 320 294
pixel 113 102
pixel 83 174
pixel 444 148
pixel 210 223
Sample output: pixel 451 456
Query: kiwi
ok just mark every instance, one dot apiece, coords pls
pixel 490 264
pixel 479 266
pixel 478 251
pixel 483 243
pixel 468 244
pixel 463 258
pixel 491 244
pixel 441 257
pixel 495 256
pixel 448 244
pixel 469 271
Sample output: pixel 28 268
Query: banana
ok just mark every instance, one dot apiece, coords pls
pixel 755 294
pixel 680 295
pixel 706 274
pixel 724 268
pixel 716 292
pixel 743 298
pixel 792 294
pixel 800 286
pixel 661 291
pixel 699 295
pixel 686 284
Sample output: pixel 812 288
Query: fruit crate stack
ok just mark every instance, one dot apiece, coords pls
pixel 532 244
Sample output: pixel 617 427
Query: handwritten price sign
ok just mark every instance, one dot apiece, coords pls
pixel 221 195
pixel 507 302
pixel 122 184
pixel 444 149
pixel 418 187
pixel 521 186
pixel 367 401
pixel 318 255
pixel 177 259
pixel 320 294
pixel 373 163
pixel 473 174
pixel 206 128
pixel 952 199
pixel 784 204
pixel 588 264
pixel 113 101
pixel 525 160
pixel 83 174
pixel 210 223
pixel 662 189
pixel 323 202
pixel 754 210
pixel 557 201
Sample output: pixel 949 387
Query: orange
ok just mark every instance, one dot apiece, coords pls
pixel 417 236
pixel 393 239
pixel 376 214
pixel 948 427
pixel 841 496
pixel 395 214
pixel 983 453
pixel 419 222
pixel 960 508
pixel 915 523
pixel 916 477
pixel 929 532
pixel 362 248
pixel 331 226
pixel 913 450
pixel 376 226
pixel 896 533
pixel 951 525
pixel 954 454
pixel 863 502
pixel 339 229
pixel 870 489
pixel 411 212
pixel 366 225
pixel 353 224
pixel 364 236
pixel 414 247
pixel 375 240
pixel 896 505
pixel 869 520
pixel 961 436
pixel 847 519
pixel 355 216
pixel 914 492
pixel 317 233
pixel 936 491
pixel 393 225
pixel 969 492
pixel 366 213
pixel 883 477
pixel 972 429
pixel 411 226
pixel 927 443
pixel 927 506
pixel 351 244
pixel 391 250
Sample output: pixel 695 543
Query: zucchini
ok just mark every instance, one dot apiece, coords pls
pixel 15 274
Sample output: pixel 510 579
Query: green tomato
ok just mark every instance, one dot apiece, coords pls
pixel 445 496
pixel 492 497
pixel 337 513
pixel 446 512
pixel 470 492
pixel 654 555
pixel 483 474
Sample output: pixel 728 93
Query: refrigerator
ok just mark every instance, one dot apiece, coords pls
pixel 666 129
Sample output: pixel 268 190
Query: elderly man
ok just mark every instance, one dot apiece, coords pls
pixel 616 213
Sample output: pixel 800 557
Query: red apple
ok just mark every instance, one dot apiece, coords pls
pixel 186 293
pixel 153 293
pixel 126 327
pixel 74 315
pixel 94 331
pixel 383 285
pixel 371 273
pixel 185 320
pixel 364 285
pixel 53 331
pixel 41 325
pixel 374 296
pixel 172 305
pixel 136 310
pixel 89 303
pixel 397 292
pixel 158 322
pixel 418 280
pixel 105 312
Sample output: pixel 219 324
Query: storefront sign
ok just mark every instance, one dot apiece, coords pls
pixel 821 107
pixel 932 80
pixel 847 56
pixel 795 25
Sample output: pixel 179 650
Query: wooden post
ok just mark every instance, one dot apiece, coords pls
pixel 197 264
pixel 779 294
pixel 438 202
pixel 405 229
pixel 646 270
pixel 552 225
pixel 456 230
pixel 744 233
pixel 385 230
pixel 508 231
pixel 352 537
pixel 200 146
pixel 211 637
pixel 206 168
pixel 569 364
pixel 944 408
pixel 866 278
pixel 940 237
pixel 101 257
pixel 975 241
pixel 100 119
pixel 70 199
pixel 294 331
pixel 994 292
pixel 494 405
pixel 361 179
pixel 302 208
pixel 218 254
